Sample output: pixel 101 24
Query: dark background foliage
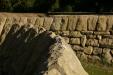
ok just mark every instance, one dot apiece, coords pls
pixel 56 6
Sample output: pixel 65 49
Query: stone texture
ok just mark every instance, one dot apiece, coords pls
pixel 91 36
pixel 99 37
pixel 92 42
pixel 2 23
pixel 86 32
pixel 82 23
pixel 47 22
pixel 77 48
pixel 108 36
pixel 97 51
pixel 15 20
pixel 94 59
pixel 92 21
pixel 31 20
pixel 88 50
pixel 106 55
pixel 110 23
pixel 75 34
pixel 75 41
pixel 83 57
pixel 72 21
pixel 39 22
pixel 66 39
pixel 64 33
pixel 83 40
pixel 23 21
pixel 6 29
pixel 56 25
pixel 102 23
pixel 101 33
pixel 106 42
pixel 64 23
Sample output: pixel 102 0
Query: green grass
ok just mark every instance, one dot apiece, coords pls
pixel 96 69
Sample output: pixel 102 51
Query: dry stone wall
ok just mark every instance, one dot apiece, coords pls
pixel 91 36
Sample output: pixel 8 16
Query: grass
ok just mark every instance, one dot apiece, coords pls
pixel 97 69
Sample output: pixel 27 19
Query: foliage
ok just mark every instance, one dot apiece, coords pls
pixel 56 5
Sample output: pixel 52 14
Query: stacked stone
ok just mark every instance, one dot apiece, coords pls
pixel 91 36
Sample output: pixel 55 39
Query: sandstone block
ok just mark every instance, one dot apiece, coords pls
pixel 66 39
pixel 82 23
pixel 2 23
pixel 16 20
pixel 77 48
pixel 75 41
pixel 31 20
pixel 6 29
pixel 94 59
pixel 23 21
pixel 75 34
pixel 105 42
pixel 97 50
pixel 108 36
pixel 87 32
pixel 92 21
pixel 101 33
pixel 39 22
pixel 106 55
pixel 92 42
pixel 110 23
pixel 72 21
pixel 83 57
pixel 83 40
pixel 64 23
pixel 91 36
pixel 102 23
pixel 47 22
pixel 64 33
pixel 56 25
pixel 99 37
pixel 88 50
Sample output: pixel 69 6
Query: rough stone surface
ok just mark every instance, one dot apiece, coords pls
pixel 2 23
pixel 75 41
pixel 23 21
pixel 91 36
pixel 88 50
pixel 110 23
pixel 102 23
pixel 86 32
pixel 106 55
pixel 75 34
pixel 92 42
pixel 72 21
pixel 56 25
pixel 64 23
pixel 106 42
pixel 97 51
pixel 39 22
pixel 64 33
pixel 66 39
pixel 82 23
pixel 77 48
pixel 101 33
pixel 92 21
pixel 47 22
pixel 83 40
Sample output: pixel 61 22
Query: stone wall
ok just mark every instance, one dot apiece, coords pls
pixel 91 36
